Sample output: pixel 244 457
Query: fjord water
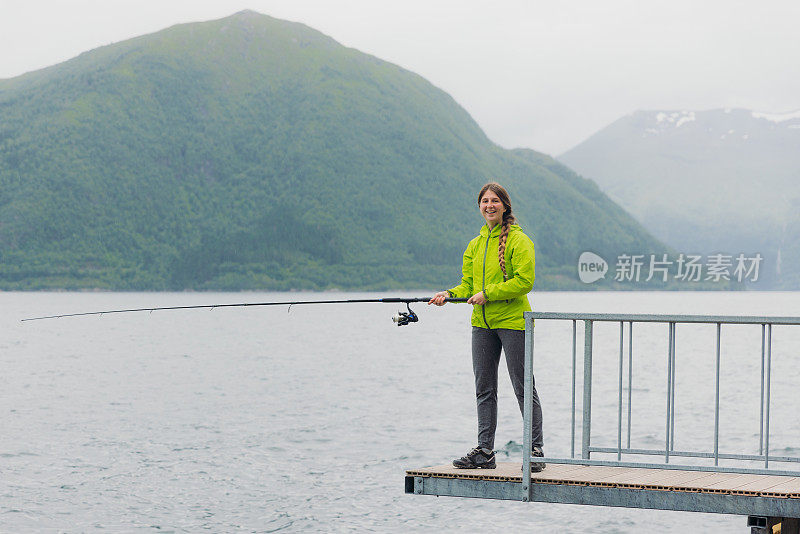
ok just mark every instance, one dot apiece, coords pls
pixel 259 420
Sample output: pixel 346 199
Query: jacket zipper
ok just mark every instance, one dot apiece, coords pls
pixel 483 282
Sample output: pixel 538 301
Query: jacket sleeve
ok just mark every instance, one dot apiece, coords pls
pixel 464 289
pixel 523 262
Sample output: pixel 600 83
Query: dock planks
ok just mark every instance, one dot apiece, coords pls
pixel 630 477
pixel 666 489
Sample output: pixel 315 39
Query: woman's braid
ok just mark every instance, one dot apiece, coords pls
pixel 508 220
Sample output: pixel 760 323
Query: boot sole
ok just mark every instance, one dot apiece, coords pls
pixel 536 469
pixel 492 466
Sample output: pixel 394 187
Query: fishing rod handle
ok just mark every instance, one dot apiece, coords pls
pixel 419 299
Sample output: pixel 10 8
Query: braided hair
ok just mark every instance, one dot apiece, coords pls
pixel 508 220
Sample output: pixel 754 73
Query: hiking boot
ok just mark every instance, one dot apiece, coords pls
pixel 477 458
pixel 537 466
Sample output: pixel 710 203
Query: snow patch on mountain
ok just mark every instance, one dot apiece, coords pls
pixel 725 122
pixel 686 118
pixel 677 118
pixel 777 117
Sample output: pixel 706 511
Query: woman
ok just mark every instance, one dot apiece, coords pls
pixel 498 273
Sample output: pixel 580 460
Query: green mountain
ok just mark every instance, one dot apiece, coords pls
pixel 254 153
pixel 717 181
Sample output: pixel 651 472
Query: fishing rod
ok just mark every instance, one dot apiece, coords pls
pixel 401 318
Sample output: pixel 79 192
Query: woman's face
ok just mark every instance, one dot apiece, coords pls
pixel 492 208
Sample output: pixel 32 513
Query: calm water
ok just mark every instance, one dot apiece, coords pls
pixel 261 420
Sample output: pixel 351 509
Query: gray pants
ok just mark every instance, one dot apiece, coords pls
pixel 486 346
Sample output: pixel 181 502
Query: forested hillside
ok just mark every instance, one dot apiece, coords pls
pixel 254 153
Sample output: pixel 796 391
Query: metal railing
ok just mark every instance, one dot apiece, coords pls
pixel 668 451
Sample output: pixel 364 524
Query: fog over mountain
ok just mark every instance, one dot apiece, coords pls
pixel 718 181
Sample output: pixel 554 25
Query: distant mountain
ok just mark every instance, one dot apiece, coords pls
pixel 706 181
pixel 250 152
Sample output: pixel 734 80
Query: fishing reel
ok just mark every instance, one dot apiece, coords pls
pixel 403 318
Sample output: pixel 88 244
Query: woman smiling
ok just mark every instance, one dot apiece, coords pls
pixel 497 275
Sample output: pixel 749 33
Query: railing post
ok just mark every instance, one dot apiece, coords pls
pixel 669 390
pixel 769 376
pixel 528 411
pixel 587 389
pixel 619 400
pixel 630 378
pixel 574 380
pixel 674 381
pixel 716 401
pixel 761 419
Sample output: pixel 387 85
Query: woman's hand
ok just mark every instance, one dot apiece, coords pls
pixel 478 298
pixel 439 298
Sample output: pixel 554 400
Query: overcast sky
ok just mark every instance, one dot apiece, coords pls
pixel 539 74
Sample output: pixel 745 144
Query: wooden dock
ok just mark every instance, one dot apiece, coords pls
pixel 768 496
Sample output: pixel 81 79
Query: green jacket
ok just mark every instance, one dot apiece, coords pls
pixel 481 271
